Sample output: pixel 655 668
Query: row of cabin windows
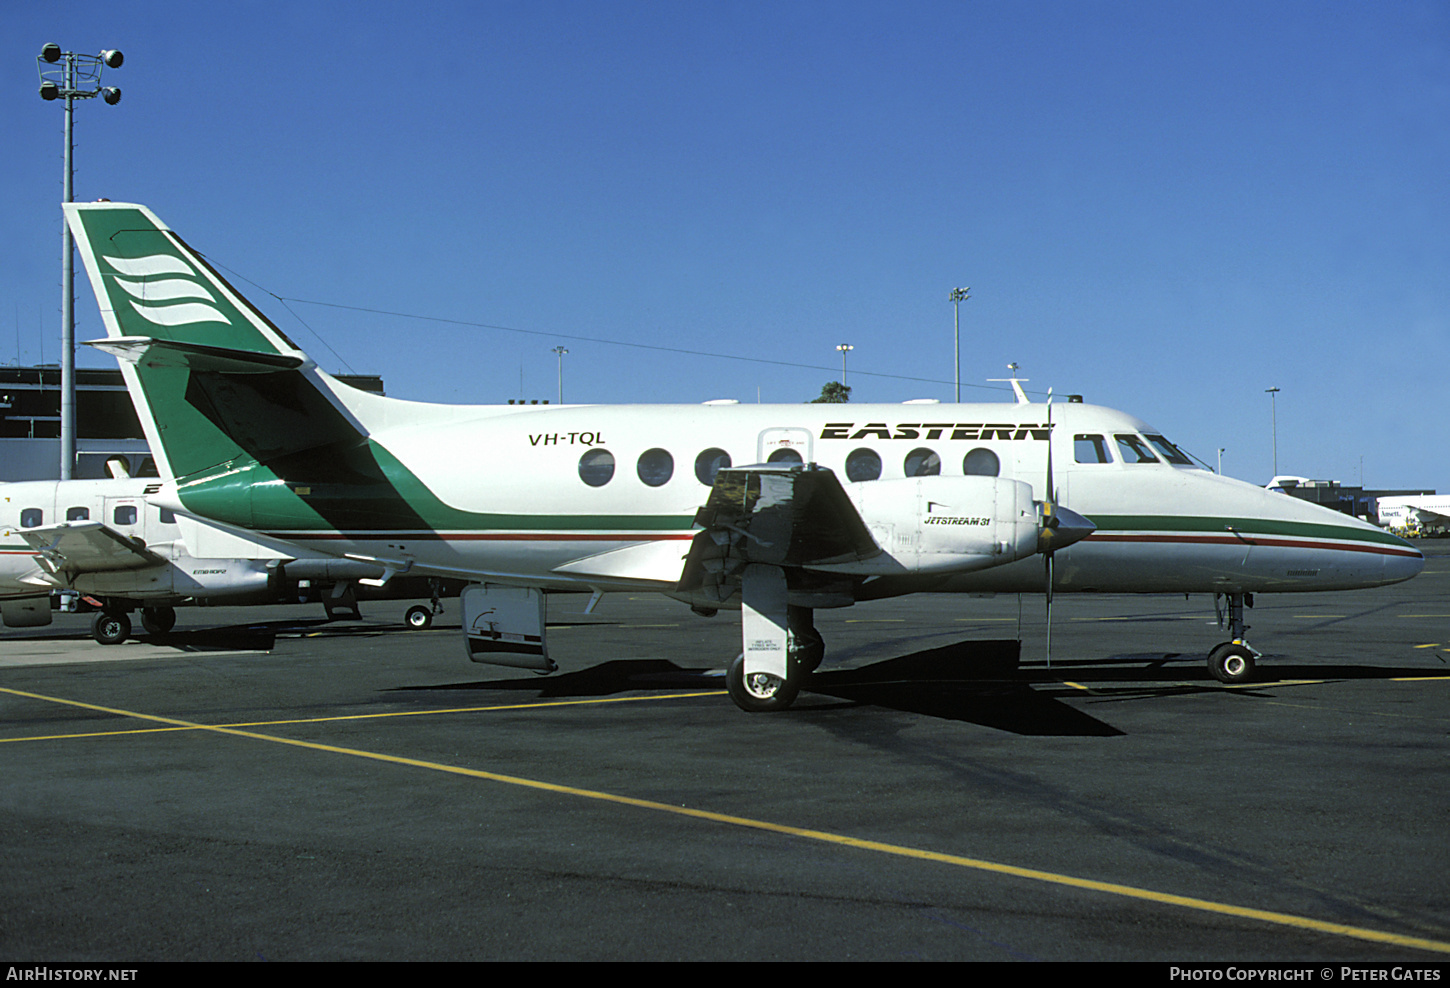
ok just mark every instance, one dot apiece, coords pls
pixel 655 467
pixel 122 514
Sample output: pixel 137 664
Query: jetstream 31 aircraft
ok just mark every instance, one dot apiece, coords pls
pixel 775 509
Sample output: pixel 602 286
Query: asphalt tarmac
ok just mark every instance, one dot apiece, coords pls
pixel 266 785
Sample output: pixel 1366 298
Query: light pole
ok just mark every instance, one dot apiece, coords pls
pixel 68 76
pixel 957 297
pixel 561 351
pixel 1274 412
pixel 1221 451
pixel 845 348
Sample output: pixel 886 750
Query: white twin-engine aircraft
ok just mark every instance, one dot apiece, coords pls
pixel 775 509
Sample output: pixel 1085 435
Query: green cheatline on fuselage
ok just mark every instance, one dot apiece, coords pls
pixel 366 489
pixel 1244 526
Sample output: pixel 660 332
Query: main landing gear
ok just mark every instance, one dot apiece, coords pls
pixel 112 625
pixel 764 692
pixel 1233 661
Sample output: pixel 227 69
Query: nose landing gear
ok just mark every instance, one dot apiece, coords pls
pixel 1233 661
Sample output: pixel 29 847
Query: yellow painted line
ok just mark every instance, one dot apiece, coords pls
pixel 1420 679
pixel 397 713
pixel 1429 645
pixel 898 850
pixel 1077 686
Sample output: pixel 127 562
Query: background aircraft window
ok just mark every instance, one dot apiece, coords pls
pixel 1091 449
pixel 125 514
pixel 655 467
pixel 922 463
pixel 709 463
pixel 1132 449
pixel 785 455
pixel 981 463
pixel 31 518
pixel 77 514
pixel 863 464
pixel 1169 452
pixel 596 467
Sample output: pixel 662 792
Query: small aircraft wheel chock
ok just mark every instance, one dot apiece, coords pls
pixel 759 692
pixel 1231 663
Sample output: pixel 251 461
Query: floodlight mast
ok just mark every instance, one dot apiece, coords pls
pixel 66 75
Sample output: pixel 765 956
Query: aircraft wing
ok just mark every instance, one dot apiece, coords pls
pixel 1430 516
pixel 786 516
pixel 87 547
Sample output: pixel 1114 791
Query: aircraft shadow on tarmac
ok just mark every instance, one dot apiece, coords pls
pixel 979 682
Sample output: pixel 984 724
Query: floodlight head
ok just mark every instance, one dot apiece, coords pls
pixel 111 95
pixel 51 53
pixel 49 90
pixel 112 58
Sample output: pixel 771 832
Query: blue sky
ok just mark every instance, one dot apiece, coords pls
pixel 1164 207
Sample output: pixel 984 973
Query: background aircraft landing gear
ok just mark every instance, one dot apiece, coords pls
pixel 158 620
pixel 1233 661
pixel 110 627
pixel 419 616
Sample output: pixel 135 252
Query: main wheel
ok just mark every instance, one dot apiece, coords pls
pixel 110 627
pixel 760 692
pixel 1231 663
pixel 158 620
pixel 419 617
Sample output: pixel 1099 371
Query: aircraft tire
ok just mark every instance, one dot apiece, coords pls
pixel 158 620
pixel 110 627
pixel 419 617
pixel 764 693
pixel 1231 663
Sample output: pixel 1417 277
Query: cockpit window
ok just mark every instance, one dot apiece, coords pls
pixel 1169 452
pixel 1091 449
pixel 1132 449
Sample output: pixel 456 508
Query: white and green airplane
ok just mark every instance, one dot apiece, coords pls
pixel 774 509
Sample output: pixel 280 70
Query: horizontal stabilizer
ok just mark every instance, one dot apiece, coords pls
pixel 87 547
pixel 151 352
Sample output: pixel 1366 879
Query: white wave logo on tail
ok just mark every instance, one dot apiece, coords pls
pixel 146 280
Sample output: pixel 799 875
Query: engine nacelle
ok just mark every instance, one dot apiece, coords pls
pixel 943 524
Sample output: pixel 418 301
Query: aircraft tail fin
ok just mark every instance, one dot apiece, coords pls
pixel 216 385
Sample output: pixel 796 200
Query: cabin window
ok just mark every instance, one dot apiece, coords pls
pixel 1169 452
pixel 655 467
pixel 596 467
pixel 77 514
pixel 125 514
pixel 922 462
pixel 863 464
pixel 981 462
pixel 31 518
pixel 168 517
pixel 1091 449
pixel 785 455
pixel 709 463
pixel 1132 449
